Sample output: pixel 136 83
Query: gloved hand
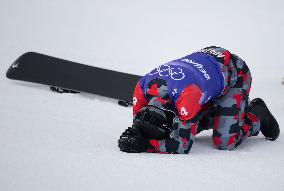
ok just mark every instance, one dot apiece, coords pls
pixel 131 141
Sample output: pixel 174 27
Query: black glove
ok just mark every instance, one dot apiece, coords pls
pixel 131 141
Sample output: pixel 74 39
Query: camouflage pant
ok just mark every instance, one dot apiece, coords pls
pixel 228 115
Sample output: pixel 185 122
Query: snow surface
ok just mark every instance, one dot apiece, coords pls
pixel 66 142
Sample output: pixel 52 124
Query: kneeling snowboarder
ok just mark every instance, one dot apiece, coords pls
pixel 208 89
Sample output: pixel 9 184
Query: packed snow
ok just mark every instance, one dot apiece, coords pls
pixel 63 142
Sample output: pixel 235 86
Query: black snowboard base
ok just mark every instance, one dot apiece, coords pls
pixel 65 76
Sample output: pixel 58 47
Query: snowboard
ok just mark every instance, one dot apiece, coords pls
pixel 43 69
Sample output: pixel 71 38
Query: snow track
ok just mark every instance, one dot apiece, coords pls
pixel 62 142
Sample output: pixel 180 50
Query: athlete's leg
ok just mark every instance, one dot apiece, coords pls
pixel 233 123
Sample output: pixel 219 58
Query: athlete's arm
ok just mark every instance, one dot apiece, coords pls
pixel 187 104
pixel 180 140
pixel 139 100
pixel 184 125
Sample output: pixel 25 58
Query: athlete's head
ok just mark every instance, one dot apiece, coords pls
pixel 154 122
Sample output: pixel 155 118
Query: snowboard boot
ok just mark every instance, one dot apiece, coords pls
pixel 268 124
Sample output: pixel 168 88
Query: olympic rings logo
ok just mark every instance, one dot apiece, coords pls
pixel 166 70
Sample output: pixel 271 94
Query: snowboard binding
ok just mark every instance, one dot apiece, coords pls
pixel 62 90
pixel 124 103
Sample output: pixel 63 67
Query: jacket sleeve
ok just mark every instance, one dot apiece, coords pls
pixel 187 104
pixel 139 100
pixel 184 125
pixel 180 140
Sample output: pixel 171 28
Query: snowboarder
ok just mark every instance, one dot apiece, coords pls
pixel 208 89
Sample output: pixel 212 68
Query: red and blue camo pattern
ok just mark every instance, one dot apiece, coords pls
pixel 226 114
